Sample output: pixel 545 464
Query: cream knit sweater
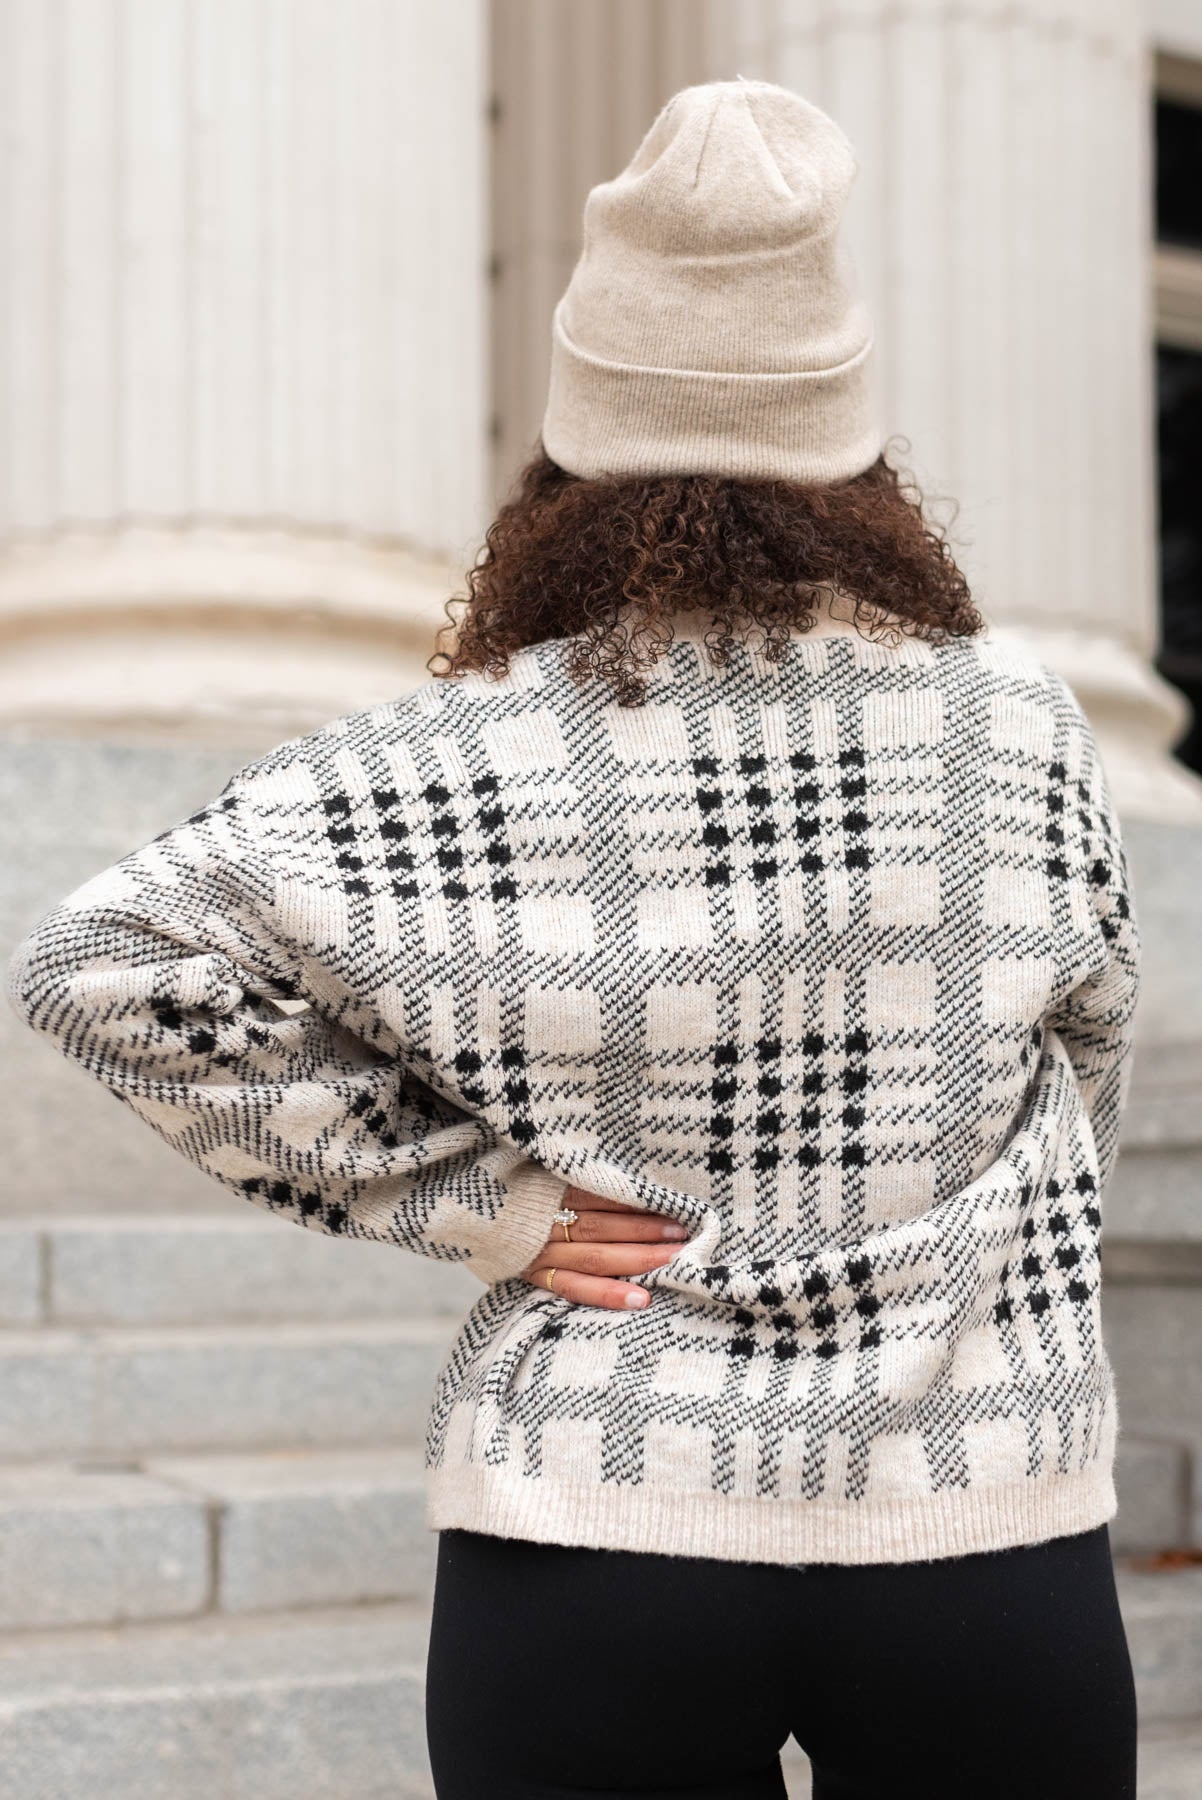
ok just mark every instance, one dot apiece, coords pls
pixel 833 960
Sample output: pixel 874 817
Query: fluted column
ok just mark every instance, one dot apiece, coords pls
pixel 243 349
pixel 574 88
pixel 1000 224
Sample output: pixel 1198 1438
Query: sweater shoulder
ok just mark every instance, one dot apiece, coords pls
pixel 401 733
pixel 1006 660
pixel 1009 669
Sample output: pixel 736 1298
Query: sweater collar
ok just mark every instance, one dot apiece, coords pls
pixel 834 616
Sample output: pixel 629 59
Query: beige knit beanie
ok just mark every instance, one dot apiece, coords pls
pixel 711 325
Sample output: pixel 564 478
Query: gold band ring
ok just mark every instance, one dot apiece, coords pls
pixel 551 1274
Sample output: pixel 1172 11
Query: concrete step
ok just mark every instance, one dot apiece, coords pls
pixel 243 1267
pixel 233 1269
pixel 1155 1478
pixel 173 1536
pixel 1162 1611
pixel 1170 1763
pixel 313 1706
pixel 113 1392
pixel 1170 1760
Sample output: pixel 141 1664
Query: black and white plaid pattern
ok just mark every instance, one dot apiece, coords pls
pixel 832 959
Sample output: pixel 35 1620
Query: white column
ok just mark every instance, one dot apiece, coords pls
pixel 575 85
pixel 1001 227
pixel 243 352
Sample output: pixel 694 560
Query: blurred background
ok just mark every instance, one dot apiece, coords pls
pixel 276 279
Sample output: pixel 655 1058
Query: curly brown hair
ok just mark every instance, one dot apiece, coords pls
pixel 608 562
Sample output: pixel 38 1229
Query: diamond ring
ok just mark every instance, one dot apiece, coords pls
pixel 565 1217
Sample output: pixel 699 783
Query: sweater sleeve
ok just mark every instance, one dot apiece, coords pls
pixel 1095 1019
pixel 168 978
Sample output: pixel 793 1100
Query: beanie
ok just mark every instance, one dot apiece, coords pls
pixel 711 325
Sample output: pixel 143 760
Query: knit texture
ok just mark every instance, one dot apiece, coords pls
pixel 711 325
pixel 831 959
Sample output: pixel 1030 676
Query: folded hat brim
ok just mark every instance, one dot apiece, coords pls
pixel 617 419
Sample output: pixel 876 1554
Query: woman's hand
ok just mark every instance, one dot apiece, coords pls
pixel 609 1240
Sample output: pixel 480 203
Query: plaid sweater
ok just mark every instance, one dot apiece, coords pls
pixel 832 959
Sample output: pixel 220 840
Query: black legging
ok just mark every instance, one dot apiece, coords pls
pixel 555 1670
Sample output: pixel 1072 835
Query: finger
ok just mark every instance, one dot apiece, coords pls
pixel 603 1218
pixel 595 1290
pixel 613 1227
pixel 582 1200
pixel 603 1259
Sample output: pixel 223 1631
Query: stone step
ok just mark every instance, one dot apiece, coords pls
pixel 1170 1759
pixel 1155 1479
pixel 314 1706
pixel 173 1536
pixel 114 1392
pixel 1170 1763
pixel 247 1268
pixel 309 1706
pixel 1162 1610
pixel 168 1536
pixel 243 1267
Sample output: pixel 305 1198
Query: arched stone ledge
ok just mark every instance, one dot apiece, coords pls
pixel 209 635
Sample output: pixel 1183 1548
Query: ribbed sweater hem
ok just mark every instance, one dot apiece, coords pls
pixel 955 1522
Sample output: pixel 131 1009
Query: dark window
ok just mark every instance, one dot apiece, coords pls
pixel 1179 434
pixel 1179 423
pixel 1179 173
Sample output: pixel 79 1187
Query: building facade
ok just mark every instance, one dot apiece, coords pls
pixel 276 279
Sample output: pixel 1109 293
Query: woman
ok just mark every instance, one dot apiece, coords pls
pixel 729 957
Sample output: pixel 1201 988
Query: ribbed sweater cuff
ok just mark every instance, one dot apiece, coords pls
pixel 533 1195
